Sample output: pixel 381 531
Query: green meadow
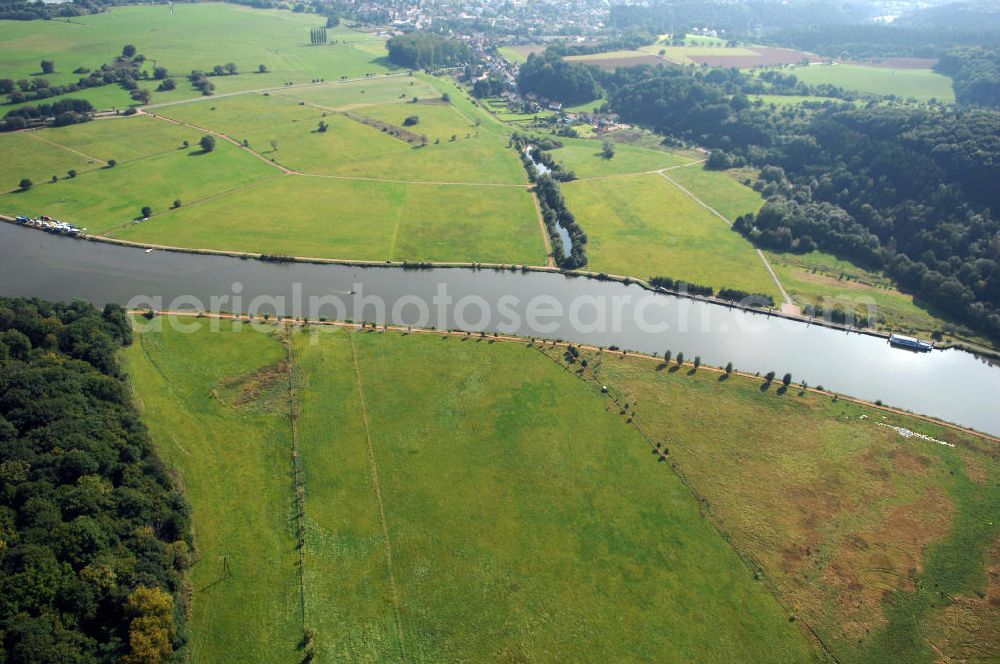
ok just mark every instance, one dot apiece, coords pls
pixel 586 159
pixel 885 545
pixel 822 279
pixel 27 155
pixel 355 94
pixel 122 139
pixel 357 219
pixel 286 131
pixel 193 36
pixel 432 532
pixel 645 226
pixel 108 198
pixel 232 457
pixel 718 189
pixel 921 84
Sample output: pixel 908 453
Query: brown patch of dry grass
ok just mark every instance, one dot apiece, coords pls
pixel 264 388
pixel 884 559
pixel 972 624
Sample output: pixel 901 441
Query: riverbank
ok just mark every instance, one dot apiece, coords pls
pixel 992 354
pixel 559 344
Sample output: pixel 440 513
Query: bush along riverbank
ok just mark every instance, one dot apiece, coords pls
pixel 728 294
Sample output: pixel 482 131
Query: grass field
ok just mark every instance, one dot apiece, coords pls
pixel 333 218
pixel 586 159
pixel 818 278
pixel 543 531
pixel 719 190
pixel 230 450
pixel 645 226
pixel 186 37
pixel 921 84
pixel 27 156
pixel 350 147
pixel 519 54
pixel 886 546
pixel 356 94
pixel 122 139
pixel 106 198
pixel 372 210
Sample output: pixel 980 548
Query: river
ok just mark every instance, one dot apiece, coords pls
pixel 950 384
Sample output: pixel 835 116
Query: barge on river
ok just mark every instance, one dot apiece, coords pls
pixel 909 342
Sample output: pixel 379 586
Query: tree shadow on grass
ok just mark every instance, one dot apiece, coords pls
pixel 692 372
pixel 661 366
pixel 765 387
pixel 724 377
pixel 674 369
pixel 198 153
pixel 781 390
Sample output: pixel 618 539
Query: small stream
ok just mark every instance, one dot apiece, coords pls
pixel 567 242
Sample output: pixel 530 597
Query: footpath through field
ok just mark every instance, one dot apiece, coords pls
pixel 788 305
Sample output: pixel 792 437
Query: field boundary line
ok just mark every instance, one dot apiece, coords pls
pixel 298 473
pixel 656 171
pixel 361 178
pixel 777 282
pixel 272 89
pixel 205 199
pixel 749 561
pixel 225 137
pixel 378 495
pixel 289 171
pixel 34 134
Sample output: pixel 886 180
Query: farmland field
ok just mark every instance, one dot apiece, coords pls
pixel 423 519
pixel 358 192
pixel 187 37
pixel 27 156
pixel 921 84
pixel 432 532
pixel 720 190
pixel 355 219
pixel 821 279
pixel 519 54
pixel 107 198
pixel 585 158
pixel 885 545
pixel 645 226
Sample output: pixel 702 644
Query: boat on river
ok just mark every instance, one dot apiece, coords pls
pixel 911 343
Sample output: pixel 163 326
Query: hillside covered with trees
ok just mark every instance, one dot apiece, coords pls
pixel 94 538
pixel 911 190
pixel 548 75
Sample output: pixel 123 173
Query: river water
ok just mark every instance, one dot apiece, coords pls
pixel 949 384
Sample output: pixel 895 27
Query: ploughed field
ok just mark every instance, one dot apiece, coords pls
pixel 437 497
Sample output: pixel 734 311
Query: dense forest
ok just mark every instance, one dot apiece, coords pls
pixel 971 15
pixel 94 538
pixel 426 50
pixel 975 73
pixel 548 75
pixel 874 41
pixel 908 189
pixel 738 18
